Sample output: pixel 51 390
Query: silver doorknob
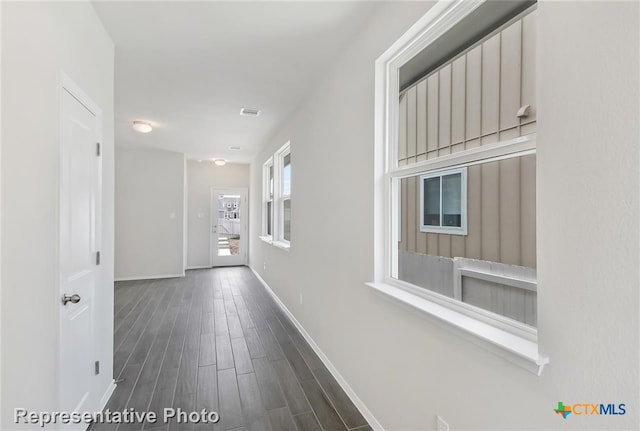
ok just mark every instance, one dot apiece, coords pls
pixel 74 299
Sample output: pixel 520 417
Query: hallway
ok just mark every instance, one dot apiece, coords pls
pixel 216 340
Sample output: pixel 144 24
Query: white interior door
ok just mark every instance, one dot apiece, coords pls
pixel 80 206
pixel 228 227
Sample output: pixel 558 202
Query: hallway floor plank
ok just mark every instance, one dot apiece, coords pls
pixel 216 340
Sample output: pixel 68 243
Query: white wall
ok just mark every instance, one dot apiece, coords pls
pixel 201 177
pixel 407 367
pixel 39 40
pixel 588 201
pixel 149 214
pixel 0 210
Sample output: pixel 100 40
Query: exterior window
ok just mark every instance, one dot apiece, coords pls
pixel 286 198
pixel 277 198
pixel 467 232
pixel 283 162
pixel 466 185
pixel 444 202
pixel 270 203
pixel 455 177
pixel 267 199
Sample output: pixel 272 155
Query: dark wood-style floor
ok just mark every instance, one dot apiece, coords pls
pixel 216 340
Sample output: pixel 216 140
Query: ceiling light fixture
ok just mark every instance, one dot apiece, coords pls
pixel 142 126
pixel 220 162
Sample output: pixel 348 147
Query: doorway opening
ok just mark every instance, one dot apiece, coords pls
pixel 228 227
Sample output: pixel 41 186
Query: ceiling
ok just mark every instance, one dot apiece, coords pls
pixel 188 68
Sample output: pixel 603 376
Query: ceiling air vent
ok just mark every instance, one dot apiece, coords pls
pixel 249 112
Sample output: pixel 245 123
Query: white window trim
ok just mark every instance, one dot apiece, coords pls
pixel 277 230
pixel 515 342
pixel 462 230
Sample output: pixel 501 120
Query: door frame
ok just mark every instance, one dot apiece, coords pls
pixel 66 84
pixel 244 225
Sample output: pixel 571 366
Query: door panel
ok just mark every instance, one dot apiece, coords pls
pixel 80 200
pixel 228 227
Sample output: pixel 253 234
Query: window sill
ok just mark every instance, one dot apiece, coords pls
pixel 518 350
pixel 278 244
pixel 444 230
pixel 267 239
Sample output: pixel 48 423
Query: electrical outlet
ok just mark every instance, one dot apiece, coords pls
pixel 441 425
pixel 300 298
pixel 264 266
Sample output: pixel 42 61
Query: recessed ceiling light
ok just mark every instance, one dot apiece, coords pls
pixel 249 112
pixel 232 148
pixel 142 126
pixel 220 162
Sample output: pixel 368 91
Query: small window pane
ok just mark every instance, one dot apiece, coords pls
pixel 451 200
pixel 286 175
pixel 269 215
pixel 427 261
pixel 271 182
pixel 228 225
pixel 431 216
pixel 287 219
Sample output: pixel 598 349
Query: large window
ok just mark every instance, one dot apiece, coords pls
pixel 283 165
pixel 267 199
pixel 276 210
pixel 456 175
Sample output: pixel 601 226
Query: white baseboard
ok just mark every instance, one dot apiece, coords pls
pixel 366 413
pixel 199 267
pixel 105 398
pixel 149 277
